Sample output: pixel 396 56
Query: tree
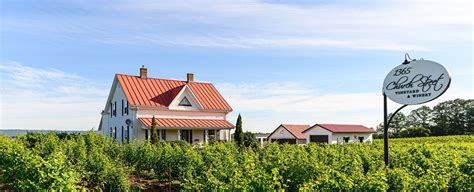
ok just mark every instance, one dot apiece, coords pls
pixel 453 117
pixel 249 140
pixel 414 132
pixel 379 128
pixel 421 117
pixel 154 131
pixel 238 137
pixel 398 122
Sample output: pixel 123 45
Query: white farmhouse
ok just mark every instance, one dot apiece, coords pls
pixel 184 110
pixel 288 133
pixel 337 133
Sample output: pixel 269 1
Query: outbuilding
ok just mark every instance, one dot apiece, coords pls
pixel 338 133
pixel 288 133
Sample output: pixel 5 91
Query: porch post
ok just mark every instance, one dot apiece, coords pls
pixel 205 136
pixel 179 134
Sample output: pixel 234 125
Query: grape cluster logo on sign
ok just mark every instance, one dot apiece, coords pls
pixel 417 82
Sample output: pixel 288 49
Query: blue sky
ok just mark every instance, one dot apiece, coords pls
pixel 274 61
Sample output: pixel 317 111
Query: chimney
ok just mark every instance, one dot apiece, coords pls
pixel 190 77
pixel 143 72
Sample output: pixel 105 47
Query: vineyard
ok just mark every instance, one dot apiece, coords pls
pixel 92 161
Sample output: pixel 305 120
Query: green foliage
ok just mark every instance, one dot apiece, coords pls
pixel 238 135
pixel 36 162
pixel 46 161
pixel 421 117
pixel 414 132
pixel 453 117
pixel 398 122
pixel 154 131
pixel 249 140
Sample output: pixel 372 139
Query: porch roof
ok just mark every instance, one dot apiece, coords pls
pixel 188 123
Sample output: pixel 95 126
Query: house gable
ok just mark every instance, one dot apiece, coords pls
pixel 185 100
pixel 317 130
pixel 281 133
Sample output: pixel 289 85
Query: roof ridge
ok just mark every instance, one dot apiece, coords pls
pixel 180 118
pixel 337 124
pixel 296 124
pixel 165 79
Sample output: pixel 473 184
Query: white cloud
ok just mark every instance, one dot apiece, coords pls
pixel 36 98
pixel 391 25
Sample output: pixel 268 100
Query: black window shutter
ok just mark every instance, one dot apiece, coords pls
pixel 122 134
pixel 128 134
pixel 115 132
pixel 126 109
pixel 115 108
pixel 111 110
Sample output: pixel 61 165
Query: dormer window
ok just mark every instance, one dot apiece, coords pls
pixel 185 102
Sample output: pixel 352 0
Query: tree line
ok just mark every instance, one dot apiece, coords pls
pixel 453 117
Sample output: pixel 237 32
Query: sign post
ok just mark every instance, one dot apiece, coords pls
pixel 413 82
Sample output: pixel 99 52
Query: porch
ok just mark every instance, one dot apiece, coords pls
pixel 195 131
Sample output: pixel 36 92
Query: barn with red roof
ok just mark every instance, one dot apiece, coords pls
pixel 321 133
pixel 183 109
pixel 338 133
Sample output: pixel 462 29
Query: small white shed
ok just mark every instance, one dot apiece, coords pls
pixel 338 133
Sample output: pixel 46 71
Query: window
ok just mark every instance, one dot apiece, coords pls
pixel 123 106
pixel 346 139
pixel 146 134
pixel 111 132
pixel 187 135
pixel 163 134
pixel 115 108
pixel 361 139
pixel 127 134
pixel 122 134
pixel 185 102
pixel 211 134
pixel 126 109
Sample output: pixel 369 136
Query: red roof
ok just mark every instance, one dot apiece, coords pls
pixel 187 123
pixel 161 92
pixel 296 130
pixel 339 128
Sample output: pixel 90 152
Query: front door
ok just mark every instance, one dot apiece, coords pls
pixel 187 135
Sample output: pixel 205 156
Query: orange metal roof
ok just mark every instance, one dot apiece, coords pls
pixel 296 130
pixel 339 128
pixel 187 123
pixel 161 92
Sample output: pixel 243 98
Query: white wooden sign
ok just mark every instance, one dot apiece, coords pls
pixel 417 82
